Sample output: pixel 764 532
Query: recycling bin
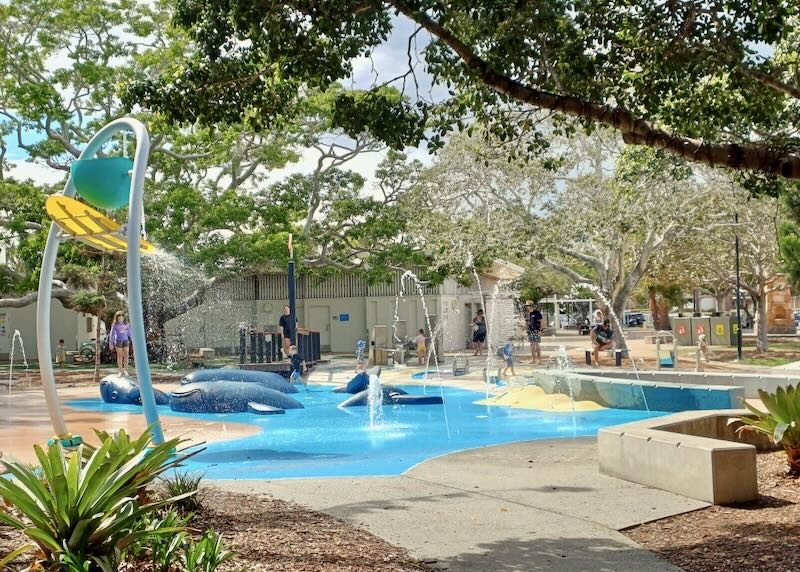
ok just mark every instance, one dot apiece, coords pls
pixel 723 330
pixel 701 326
pixel 682 330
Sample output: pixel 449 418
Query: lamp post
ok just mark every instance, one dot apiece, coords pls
pixel 292 315
pixel 738 290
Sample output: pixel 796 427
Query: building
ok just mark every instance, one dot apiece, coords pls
pixel 71 326
pixel 344 308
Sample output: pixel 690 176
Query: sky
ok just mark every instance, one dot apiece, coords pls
pixel 387 61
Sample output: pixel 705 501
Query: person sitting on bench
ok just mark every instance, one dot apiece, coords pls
pixel 602 340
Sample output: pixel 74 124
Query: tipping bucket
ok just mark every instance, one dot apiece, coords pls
pixel 104 183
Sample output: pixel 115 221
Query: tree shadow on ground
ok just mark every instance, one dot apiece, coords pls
pixel 556 554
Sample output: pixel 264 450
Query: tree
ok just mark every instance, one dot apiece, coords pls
pixel 759 221
pixel 712 82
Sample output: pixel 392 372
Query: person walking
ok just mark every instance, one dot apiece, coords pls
pixel 286 329
pixel 61 354
pixel 478 333
pixel 120 340
pixel 534 323
pixel 508 356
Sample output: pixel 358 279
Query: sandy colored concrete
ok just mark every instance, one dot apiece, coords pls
pixel 24 422
pixel 539 505
pixel 534 397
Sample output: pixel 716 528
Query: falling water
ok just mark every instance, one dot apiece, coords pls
pixel 599 293
pixel 15 337
pixel 433 353
pixel 375 400
pixel 564 366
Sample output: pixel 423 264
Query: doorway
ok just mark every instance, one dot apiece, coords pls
pixel 319 318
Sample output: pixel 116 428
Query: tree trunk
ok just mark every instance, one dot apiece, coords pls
pixel 655 313
pixel 665 324
pixel 793 454
pixel 617 316
pixel 762 342
pixel 97 346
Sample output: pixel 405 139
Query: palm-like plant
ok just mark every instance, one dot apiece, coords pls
pixel 83 506
pixel 781 421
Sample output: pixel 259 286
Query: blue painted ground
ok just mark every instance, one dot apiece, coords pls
pixel 324 441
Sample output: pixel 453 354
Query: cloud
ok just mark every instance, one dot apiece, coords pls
pixel 39 174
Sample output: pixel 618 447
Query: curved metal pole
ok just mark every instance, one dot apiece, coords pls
pixel 134 282
pixel 135 312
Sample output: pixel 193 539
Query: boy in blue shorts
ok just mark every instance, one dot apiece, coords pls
pixel 508 355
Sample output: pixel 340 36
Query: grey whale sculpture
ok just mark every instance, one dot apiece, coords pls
pixel 229 397
pixel 125 390
pixel 267 378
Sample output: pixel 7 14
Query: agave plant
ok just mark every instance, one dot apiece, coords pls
pixel 781 421
pixel 83 506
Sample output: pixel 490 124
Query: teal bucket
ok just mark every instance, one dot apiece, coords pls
pixel 103 183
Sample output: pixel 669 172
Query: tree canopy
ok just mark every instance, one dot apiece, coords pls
pixel 714 82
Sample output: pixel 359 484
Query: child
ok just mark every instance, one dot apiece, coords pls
pixel 361 345
pixel 702 345
pixel 297 361
pixel 508 355
pixel 120 340
pixel 421 349
pixel 61 354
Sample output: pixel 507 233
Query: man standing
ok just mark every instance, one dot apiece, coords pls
pixel 602 339
pixel 534 322
pixel 286 329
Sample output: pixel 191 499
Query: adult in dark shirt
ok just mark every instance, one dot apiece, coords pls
pixel 286 329
pixel 602 339
pixel 533 319
pixel 478 333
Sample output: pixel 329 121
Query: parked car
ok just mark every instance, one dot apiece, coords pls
pixel 797 319
pixel 633 319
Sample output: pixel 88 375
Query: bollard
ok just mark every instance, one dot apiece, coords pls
pixel 278 346
pixel 242 344
pixel 618 358
pixel 268 341
pixel 252 346
pixel 260 337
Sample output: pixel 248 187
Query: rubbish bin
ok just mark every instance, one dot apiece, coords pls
pixel 682 330
pixel 723 330
pixel 700 326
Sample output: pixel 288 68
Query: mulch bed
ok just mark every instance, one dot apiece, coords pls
pixel 274 535
pixel 763 535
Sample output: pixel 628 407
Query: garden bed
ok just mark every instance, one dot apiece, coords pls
pixel 268 534
pixel 761 535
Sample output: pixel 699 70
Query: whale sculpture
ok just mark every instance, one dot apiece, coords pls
pixel 359 383
pixel 229 397
pixel 266 378
pixel 362 397
pixel 125 390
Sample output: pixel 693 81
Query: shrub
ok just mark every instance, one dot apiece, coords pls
pixel 163 550
pixel 82 510
pixel 177 484
pixel 205 554
pixel 781 421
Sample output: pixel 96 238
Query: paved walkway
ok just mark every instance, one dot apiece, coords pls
pixel 538 505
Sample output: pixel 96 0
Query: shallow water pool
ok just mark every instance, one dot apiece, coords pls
pixel 325 441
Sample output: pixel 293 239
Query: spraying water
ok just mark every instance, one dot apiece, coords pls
pixel 564 365
pixel 375 401
pixel 17 336
pixel 599 293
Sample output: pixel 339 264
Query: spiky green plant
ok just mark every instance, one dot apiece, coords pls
pixel 83 505
pixel 781 421
pixel 177 483
pixel 205 554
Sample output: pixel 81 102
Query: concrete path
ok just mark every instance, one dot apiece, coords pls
pixel 538 505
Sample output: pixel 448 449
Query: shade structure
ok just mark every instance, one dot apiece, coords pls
pixel 82 222
pixel 105 182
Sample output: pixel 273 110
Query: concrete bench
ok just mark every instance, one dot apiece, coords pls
pixel 694 453
pixel 618 355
